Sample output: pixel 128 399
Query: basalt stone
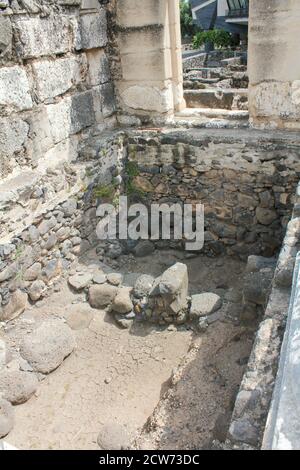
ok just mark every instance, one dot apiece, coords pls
pixel 46 347
pixel 17 386
pixel 143 285
pixel 46 225
pixel 122 302
pixel 32 273
pixel 36 290
pixel 144 248
pixel 115 279
pixel 100 296
pixel 265 216
pixel 16 305
pixel 69 207
pixel 257 286
pixel 256 263
pixel 204 304
pixel 241 430
pixel 6 417
pixel 170 291
pixel 52 269
pixel 80 280
pixel 113 436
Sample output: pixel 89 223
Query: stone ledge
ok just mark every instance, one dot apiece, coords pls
pixel 283 428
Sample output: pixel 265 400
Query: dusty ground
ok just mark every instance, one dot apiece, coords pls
pixel 118 376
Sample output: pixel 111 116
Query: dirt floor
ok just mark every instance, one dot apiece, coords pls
pixel 122 376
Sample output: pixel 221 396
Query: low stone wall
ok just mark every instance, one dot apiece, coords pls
pixel 254 398
pixel 246 182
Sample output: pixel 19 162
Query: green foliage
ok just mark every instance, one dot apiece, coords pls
pixel 188 28
pixel 18 252
pixel 104 192
pixel 218 37
pixel 132 170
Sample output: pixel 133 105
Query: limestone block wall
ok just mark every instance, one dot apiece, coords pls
pixel 149 46
pixel 55 90
pixel 274 65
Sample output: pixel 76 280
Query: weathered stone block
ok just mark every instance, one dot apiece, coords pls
pixel 54 78
pixel 13 134
pixel 14 88
pixel 99 72
pixel 71 115
pixel 38 37
pixel 5 37
pixel 92 32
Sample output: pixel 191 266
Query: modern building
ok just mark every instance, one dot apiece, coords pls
pixel 231 15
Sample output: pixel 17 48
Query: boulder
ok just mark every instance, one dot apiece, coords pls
pixel 17 386
pixel 144 248
pixel 122 302
pixel 115 279
pixel 47 346
pixel 6 417
pixel 143 286
pixel 204 304
pixel 169 292
pixel 99 278
pixel 80 280
pixel 36 290
pixel 100 296
pixel 32 273
pixel 113 436
pixel 16 305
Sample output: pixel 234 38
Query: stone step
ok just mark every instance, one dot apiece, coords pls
pixel 213 113
pixel 216 98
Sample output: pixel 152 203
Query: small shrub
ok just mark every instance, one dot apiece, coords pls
pixel 218 37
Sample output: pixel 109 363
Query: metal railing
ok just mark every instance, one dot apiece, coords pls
pixel 238 13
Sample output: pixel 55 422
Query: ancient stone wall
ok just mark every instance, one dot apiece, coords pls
pixel 255 394
pixel 43 251
pixel 274 67
pixel 246 182
pixel 55 89
pixel 56 92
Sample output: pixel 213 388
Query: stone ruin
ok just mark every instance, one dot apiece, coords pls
pixel 75 98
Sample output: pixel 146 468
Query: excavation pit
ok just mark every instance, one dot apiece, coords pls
pixel 126 369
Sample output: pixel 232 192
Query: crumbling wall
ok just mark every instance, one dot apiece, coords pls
pixel 255 394
pixel 56 91
pixel 274 67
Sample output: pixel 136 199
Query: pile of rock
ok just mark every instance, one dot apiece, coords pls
pixel 41 352
pixel 163 300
